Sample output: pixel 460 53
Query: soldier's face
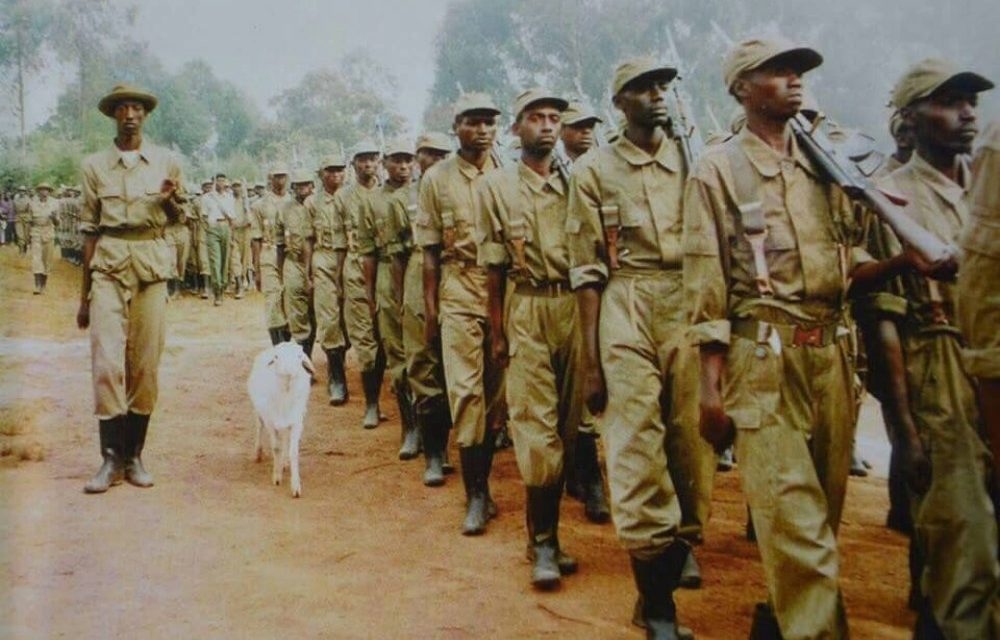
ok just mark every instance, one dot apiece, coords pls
pixel 399 166
pixel 427 158
pixel 476 132
pixel 279 182
pixel 207 187
pixel 129 115
pixel 643 101
pixel 333 178
pixel 43 194
pixel 302 190
pixel 579 138
pixel 945 121
pixel 774 92
pixel 221 184
pixel 238 190
pixel 538 128
pixel 366 165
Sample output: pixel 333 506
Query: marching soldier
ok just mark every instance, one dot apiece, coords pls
pixel 934 405
pixel 455 298
pixel 328 257
pixel 625 264
pixel 361 331
pixel 178 236
pixel 199 239
pixel 384 239
pixel 130 193
pixel 263 245
pixel 424 370
pixel 578 126
pixel 294 236
pixel 43 214
pixel 239 252
pixel 535 333
pixel 23 218
pixel 217 215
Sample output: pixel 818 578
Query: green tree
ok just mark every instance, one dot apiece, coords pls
pixel 25 25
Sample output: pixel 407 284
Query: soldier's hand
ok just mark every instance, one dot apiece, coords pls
pixel 595 391
pixel 716 426
pixel 944 270
pixel 83 314
pixel 498 351
pixel 309 285
pixel 916 466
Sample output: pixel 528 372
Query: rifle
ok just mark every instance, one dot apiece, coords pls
pixel 845 164
pixel 682 121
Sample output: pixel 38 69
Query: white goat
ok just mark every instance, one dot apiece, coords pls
pixel 279 390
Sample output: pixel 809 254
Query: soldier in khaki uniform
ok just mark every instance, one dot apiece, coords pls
pixel 361 331
pixel 522 243
pixel 384 240
pixel 978 291
pixel 129 196
pixel 43 214
pixel 328 257
pixel 239 248
pixel 584 480
pixel 178 236
pixel 23 218
pixel 424 370
pixel 625 264
pixel 294 236
pixel 943 452
pixel 263 245
pixel 769 250
pixel 455 298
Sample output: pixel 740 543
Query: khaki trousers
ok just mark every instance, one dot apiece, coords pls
pixel 327 297
pixel 357 315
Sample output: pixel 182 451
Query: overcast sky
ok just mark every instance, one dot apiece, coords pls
pixel 266 47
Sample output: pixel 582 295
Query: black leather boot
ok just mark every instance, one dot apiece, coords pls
pixel 473 469
pixel 38 284
pixel 435 438
pixel 134 440
pixel 204 287
pixel 542 512
pixel 112 470
pixel 45 281
pixel 691 573
pixel 590 479
pixel 764 625
pixel 370 383
pixel 276 337
pixel 410 441
pixel 337 382
pixel 656 579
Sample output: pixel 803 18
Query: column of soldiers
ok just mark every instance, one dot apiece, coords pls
pixel 675 305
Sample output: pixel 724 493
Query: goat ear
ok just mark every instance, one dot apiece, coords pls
pixel 308 365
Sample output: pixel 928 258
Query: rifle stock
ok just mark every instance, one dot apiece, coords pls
pixel 857 186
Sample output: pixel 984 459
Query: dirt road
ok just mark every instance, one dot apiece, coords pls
pixel 215 551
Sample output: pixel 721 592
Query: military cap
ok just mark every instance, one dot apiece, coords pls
pixel 530 97
pixel 469 102
pixel 931 75
pixel 753 54
pixel 334 160
pixel 235 182
pixel 279 170
pixel 126 92
pixel 365 146
pixel 302 177
pixel 398 146
pixel 43 185
pixel 434 140
pixel 895 122
pixel 259 185
pixel 633 68
pixel 207 181
pixel 578 113
pixel 22 188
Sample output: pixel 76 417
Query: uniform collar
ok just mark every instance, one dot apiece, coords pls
pixel 951 191
pixel 536 182
pixel 115 155
pixel 469 170
pixel 766 160
pixel 665 156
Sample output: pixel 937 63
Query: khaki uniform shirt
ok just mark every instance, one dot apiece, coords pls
pixel 518 207
pixel 643 191
pixel 937 204
pixel 384 225
pixel 328 228
pixel 22 206
pixel 809 248
pixel 979 279
pixel 294 228
pixel 44 214
pixel 349 203
pixel 447 208
pixel 241 215
pixel 264 217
